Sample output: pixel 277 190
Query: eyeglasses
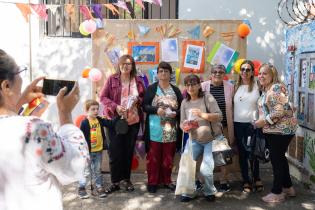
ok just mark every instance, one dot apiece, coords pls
pixel 163 70
pixel 247 70
pixel 217 72
pixel 127 64
pixel 191 84
pixel 21 69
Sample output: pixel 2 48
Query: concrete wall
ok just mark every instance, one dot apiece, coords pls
pixel 265 42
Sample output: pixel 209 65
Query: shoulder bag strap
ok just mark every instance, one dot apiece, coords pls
pixel 207 110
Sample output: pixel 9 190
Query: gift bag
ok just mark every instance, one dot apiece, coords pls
pixel 185 183
pixel 222 152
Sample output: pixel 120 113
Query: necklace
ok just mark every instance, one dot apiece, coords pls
pixel 242 95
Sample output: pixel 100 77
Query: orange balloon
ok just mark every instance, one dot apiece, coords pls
pixel 79 119
pixel 85 72
pixel 243 30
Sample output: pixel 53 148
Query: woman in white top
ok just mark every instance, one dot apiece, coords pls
pixel 245 106
pixel 34 160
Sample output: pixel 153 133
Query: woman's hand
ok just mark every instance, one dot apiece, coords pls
pixel 161 112
pixel 121 110
pixel 66 103
pixel 31 92
pixel 196 112
pixel 260 123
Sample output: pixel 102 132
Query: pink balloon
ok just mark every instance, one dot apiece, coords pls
pixel 95 75
pixel 89 26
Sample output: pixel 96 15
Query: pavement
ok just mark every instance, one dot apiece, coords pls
pixel 164 199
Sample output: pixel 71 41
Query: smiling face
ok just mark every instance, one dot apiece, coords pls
pixel 126 66
pixel 164 74
pixel 265 76
pixel 217 74
pixel 246 72
pixel 93 111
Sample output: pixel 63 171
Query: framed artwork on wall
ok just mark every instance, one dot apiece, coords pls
pixel 193 56
pixel 144 52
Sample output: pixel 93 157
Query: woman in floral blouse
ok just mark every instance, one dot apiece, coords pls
pixel 279 125
pixel 34 159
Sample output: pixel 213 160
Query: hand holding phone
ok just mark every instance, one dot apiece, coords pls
pixel 52 86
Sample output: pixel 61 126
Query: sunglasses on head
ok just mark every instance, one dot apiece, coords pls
pixel 247 70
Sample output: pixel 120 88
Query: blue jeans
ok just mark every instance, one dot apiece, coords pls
pixel 95 168
pixel 207 164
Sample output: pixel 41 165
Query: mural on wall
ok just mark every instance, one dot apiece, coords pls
pixel 309 152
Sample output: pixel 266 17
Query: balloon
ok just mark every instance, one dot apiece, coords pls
pixel 89 26
pixel 134 163
pixel 257 64
pixel 237 65
pixel 82 30
pixel 243 30
pixel 85 72
pixel 79 119
pixel 95 75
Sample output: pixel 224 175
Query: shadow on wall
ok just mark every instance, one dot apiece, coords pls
pixel 63 58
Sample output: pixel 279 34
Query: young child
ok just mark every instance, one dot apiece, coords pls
pixel 92 128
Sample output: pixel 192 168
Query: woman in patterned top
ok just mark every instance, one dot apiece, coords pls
pixel 34 159
pixel 162 104
pixel 279 125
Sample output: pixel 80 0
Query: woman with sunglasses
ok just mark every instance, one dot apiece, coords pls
pixel 223 92
pixel 162 102
pixel 279 125
pixel 199 108
pixel 245 106
pixel 35 160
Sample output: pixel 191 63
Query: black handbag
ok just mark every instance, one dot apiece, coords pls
pixel 260 148
pixel 121 126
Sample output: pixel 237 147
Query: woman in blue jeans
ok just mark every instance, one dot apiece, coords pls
pixel 200 117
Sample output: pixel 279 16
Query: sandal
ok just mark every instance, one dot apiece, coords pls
pixel 259 187
pixel 112 188
pixel 247 188
pixel 129 186
pixel 273 198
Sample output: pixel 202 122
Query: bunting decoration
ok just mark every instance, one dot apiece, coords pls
pixel 195 32
pixel 161 29
pixel 143 29
pixel 25 10
pixel 122 4
pixel 97 10
pixel 140 3
pixel 207 31
pixel 112 8
pixel 131 35
pixel 40 10
pixel 52 8
pixel 227 37
pixel 86 12
pixel 70 10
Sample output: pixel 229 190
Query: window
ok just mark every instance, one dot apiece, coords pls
pixel 59 24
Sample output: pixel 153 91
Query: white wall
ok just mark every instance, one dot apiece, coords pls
pixel 265 42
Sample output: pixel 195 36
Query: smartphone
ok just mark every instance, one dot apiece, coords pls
pixel 52 86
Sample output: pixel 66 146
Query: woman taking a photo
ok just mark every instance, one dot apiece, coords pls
pixel 245 107
pixel 279 126
pixel 122 96
pixel 202 109
pixel 162 104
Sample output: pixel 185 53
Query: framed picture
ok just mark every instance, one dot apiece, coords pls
pixel 144 52
pixel 193 55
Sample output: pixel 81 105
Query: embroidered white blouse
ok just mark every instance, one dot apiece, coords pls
pixel 35 161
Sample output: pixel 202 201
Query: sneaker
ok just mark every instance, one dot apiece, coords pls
pixel 185 198
pixel 224 188
pixel 289 192
pixel 152 188
pixel 101 192
pixel 274 198
pixel 82 193
pixel 210 198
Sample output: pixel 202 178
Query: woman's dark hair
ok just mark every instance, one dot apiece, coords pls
pixel 164 65
pixel 252 79
pixel 192 78
pixel 123 58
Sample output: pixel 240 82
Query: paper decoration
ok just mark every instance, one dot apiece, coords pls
pixel 195 32
pixel 143 29
pixel 227 37
pixel 25 10
pixel 40 10
pixel 140 3
pixel 70 9
pixel 222 54
pixel 131 35
pixel 52 8
pixel 207 31
pixel 156 2
pixel 144 52
pixel 113 55
pixel 110 38
pixel 97 9
pixel 174 32
pixel 86 12
pixel 246 21
pixel 122 4
pixel 153 75
pixel 112 8
pixel 169 50
pixel 161 29
pixel 194 56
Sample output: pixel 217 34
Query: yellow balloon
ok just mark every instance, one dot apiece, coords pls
pixel 237 65
pixel 82 31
